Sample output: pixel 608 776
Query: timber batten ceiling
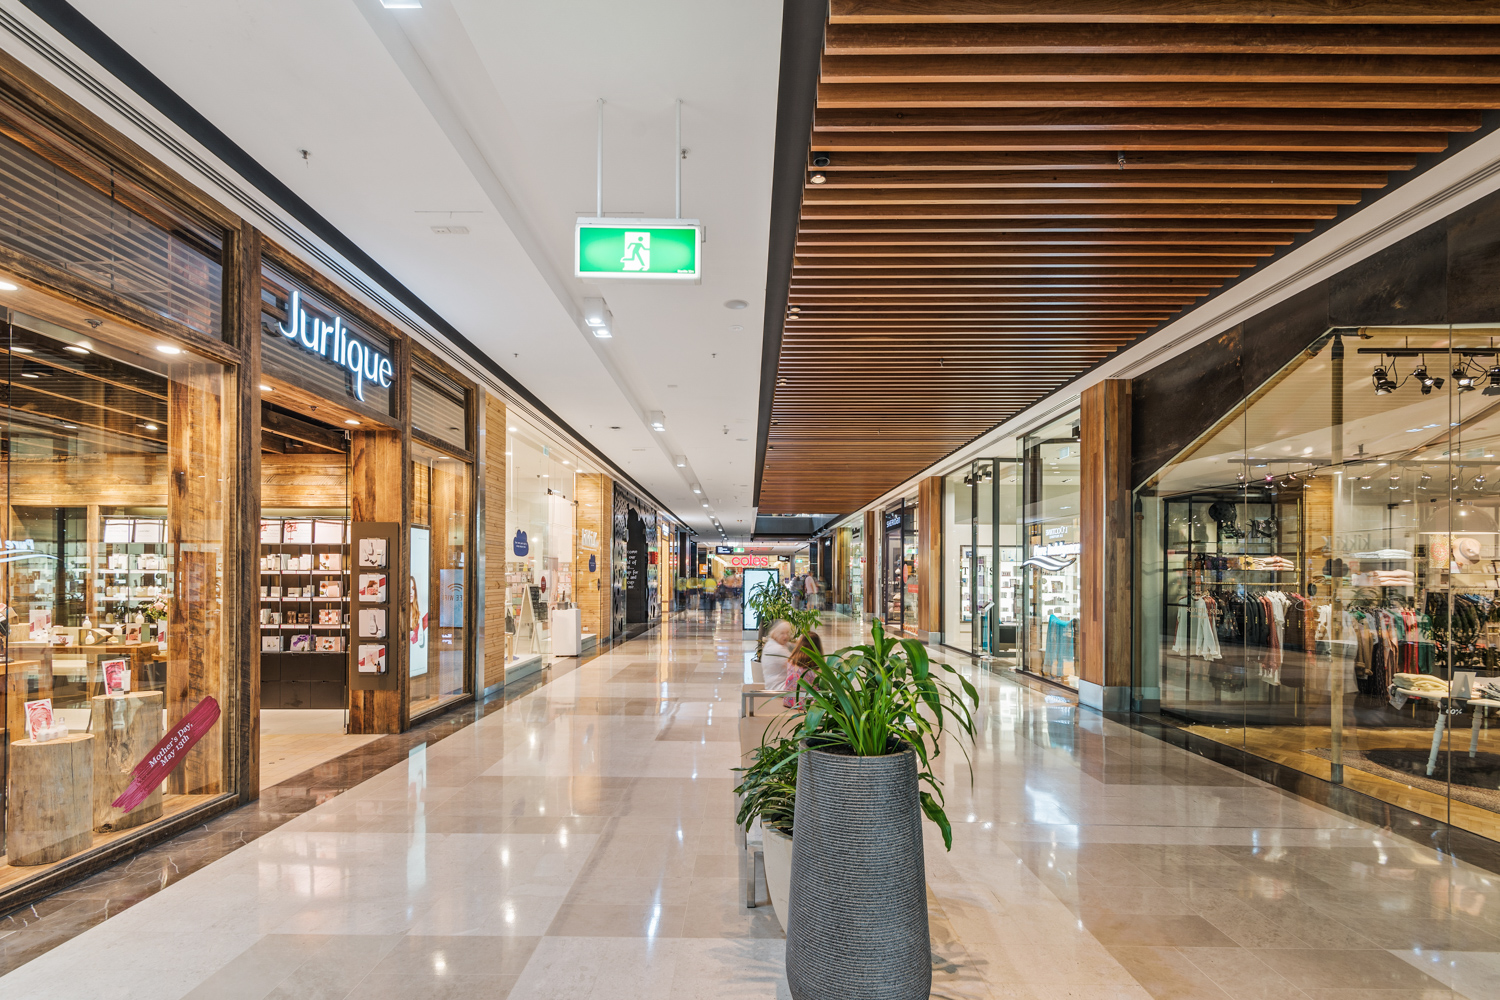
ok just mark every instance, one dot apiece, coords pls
pixel 1016 189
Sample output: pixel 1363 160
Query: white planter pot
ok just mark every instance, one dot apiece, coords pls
pixel 777 854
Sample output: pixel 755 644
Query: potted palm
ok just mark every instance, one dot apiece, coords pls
pixel 871 726
pixel 768 791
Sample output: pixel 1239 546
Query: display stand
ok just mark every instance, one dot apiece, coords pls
pixel 372 660
pixel 125 727
pixel 567 632
pixel 49 811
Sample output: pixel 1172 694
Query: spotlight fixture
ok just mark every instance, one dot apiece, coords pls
pixel 818 179
pixel 1428 382
pixel 1384 384
pixel 597 317
pixel 1463 378
pixel 657 420
pixel 1494 374
pixel 821 160
pixel 680 461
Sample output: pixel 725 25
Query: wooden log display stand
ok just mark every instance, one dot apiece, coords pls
pixel 49 813
pixel 125 728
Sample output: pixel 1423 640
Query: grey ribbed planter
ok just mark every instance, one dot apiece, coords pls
pixel 858 923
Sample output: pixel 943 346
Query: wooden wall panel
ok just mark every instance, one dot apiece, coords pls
pixel 873 550
pixel 196 532
pixel 1104 626
pixel 494 541
pixel 309 480
pixel 596 497
pixel 242 325
pixel 930 555
pixel 377 485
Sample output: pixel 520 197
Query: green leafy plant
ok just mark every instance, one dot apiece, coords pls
pixel 883 697
pixel 768 789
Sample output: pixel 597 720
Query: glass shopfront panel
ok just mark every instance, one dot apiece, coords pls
pixel 981 558
pixel 541 538
pixel 1051 514
pixel 438 587
pixel 119 459
pixel 1321 572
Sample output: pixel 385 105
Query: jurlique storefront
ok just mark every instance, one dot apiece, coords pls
pixel 185 538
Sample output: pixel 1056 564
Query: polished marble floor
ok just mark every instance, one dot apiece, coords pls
pixel 578 843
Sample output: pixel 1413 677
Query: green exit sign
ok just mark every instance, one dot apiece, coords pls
pixel 660 249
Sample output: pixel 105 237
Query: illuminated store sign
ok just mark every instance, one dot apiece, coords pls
pixel 339 344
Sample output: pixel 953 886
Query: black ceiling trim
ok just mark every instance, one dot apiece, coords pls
pixel 65 19
pixel 802 25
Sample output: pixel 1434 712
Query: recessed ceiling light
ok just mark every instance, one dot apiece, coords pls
pixel 697 490
pixel 70 427
pixel 9 286
pixel 736 304
pixel 352 422
pixel 818 179
pixel 265 388
pixel 23 350
pixel 168 349
pixel 151 427
pixel 401 4
pixel 29 375
pixel 511 429
pixel 76 349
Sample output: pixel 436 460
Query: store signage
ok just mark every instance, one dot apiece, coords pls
pixel 893 520
pixel 519 545
pixel 1057 532
pixel 750 561
pixel 724 550
pixel 593 564
pixel 339 344
pixel 169 751
pixel 661 249
pixel 588 539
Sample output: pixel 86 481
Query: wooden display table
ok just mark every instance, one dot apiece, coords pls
pixel 125 727
pixel 49 813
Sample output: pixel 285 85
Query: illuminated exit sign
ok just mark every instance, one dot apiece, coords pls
pixel 656 249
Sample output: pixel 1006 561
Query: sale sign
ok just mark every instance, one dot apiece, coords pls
pixel 170 751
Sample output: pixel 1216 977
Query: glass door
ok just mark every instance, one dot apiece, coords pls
pixel 894 577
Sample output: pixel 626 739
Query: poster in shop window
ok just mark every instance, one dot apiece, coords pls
pixel 418 591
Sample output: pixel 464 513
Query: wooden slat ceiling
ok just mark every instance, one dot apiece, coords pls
pixel 1016 189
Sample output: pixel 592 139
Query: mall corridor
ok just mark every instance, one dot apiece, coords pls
pixel 580 843
pixel 484 484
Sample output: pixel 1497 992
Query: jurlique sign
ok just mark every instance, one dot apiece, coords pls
pixel 339 344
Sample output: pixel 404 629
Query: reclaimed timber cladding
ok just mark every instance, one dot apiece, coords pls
pixel 1016 189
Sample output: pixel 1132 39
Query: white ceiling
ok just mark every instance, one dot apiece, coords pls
pixel 486 109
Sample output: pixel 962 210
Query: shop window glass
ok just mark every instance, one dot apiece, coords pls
pixel 123 241
pixel 119 492
pixel 540 548
pixel 438 588
pixel 982 558
pixel 856 571
pixel 1323 566
pixel 1052 543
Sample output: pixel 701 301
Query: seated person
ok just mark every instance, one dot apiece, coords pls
pixel 800 665
pixel 774 656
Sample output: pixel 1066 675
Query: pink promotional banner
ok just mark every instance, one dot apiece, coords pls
pixel 167 754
